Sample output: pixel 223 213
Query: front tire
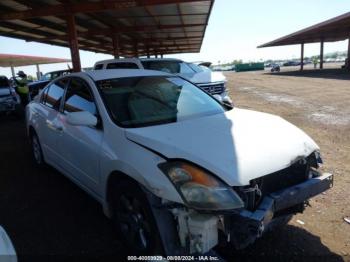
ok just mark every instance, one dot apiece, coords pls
pixel 37 152
pixel 134 221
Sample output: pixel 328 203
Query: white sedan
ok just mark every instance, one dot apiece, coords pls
pixel 176 170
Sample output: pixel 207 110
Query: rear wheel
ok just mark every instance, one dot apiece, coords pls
pixel 134 220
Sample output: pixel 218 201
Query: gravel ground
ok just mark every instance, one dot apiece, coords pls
pixel 318 103
pixel 49 218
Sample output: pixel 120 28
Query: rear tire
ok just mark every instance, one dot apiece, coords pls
pixel 134 221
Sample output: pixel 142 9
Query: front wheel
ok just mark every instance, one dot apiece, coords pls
pixel 37 152
pixel 134 221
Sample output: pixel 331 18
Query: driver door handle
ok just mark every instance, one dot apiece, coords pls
pixel 54 127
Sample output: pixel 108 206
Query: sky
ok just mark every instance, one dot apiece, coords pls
pixel 234 31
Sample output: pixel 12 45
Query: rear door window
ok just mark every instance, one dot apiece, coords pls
pixel 123 65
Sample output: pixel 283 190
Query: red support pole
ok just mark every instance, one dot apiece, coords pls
pixel 302 57
pixel 136 50
pixel 348 63
pixel 321 54
pixel 115 41
pixel 73 43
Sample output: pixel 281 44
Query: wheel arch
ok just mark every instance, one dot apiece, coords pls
pixel 115 177
pixel 31 131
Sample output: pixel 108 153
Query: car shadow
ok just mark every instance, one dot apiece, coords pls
pixel 334 73
pixel 287 243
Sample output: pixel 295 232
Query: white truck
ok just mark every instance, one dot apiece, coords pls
pixel 213 83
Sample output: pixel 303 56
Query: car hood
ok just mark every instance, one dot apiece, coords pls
pixel 237 146
pixel 207 76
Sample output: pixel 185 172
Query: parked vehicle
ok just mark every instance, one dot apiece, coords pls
pixel 212 82
pixel 291 63
pixel 275 68
pixel 35 87
pixel 10 101
pixel 175 170
pixel 7 251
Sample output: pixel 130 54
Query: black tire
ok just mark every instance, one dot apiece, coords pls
pixel 134 220
pixel 37 152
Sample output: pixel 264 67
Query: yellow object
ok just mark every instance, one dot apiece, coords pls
pixel 22 86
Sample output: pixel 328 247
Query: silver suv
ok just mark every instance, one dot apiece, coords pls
pixel 213 83
pixel 9 99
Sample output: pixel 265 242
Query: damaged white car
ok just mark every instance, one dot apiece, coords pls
pixel 178 172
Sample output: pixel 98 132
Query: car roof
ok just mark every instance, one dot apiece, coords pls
pixel 97 75
pixel 59 71
pixel 161 59
pixel 125 60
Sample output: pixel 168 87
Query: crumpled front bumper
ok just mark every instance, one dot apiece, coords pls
pixel 248 226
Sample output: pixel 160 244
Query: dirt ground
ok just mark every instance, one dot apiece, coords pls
pixel 319 103
pixel 50 219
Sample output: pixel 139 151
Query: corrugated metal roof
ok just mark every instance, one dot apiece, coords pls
pixel 154 27
pixel 7 60
pixel 335 29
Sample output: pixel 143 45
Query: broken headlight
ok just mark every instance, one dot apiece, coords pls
pixel 199 189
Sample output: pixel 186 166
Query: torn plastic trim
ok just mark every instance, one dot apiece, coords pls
pixel 247 226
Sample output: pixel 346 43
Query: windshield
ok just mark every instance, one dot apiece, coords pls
pixel 195 67
pixel 155 100
pixel 168 66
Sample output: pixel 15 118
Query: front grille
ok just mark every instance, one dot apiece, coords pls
pixel 213 89
pixel 295 174
pixel 290 176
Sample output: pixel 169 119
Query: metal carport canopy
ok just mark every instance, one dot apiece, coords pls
pixel 335 29
pixel 120 27
pixel 8 60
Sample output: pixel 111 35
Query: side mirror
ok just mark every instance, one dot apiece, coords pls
pixel 82 118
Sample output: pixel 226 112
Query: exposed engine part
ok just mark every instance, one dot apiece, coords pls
pixel 301 169
pixel 198 233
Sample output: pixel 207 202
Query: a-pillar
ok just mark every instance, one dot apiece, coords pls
pixel 115 41
pixel 73 43
pixel 321 54
pixel 302 57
